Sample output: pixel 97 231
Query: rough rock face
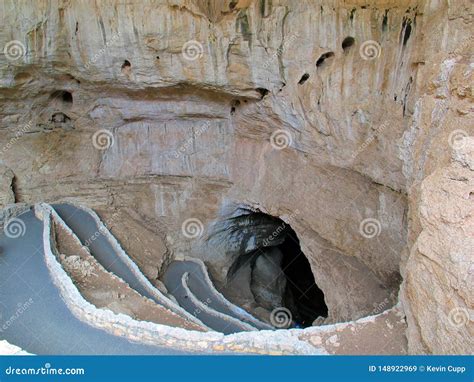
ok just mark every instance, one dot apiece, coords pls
pixel 268 282
pixel 6 193
pixel 327 114
pixel 440 270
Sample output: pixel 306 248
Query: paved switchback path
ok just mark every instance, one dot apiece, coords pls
pixel 32 312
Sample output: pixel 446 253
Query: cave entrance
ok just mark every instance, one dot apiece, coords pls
pixel 271 271
pixel 302 295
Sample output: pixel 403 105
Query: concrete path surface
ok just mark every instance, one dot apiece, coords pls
pixel 32 312
pixel 34 316
pixel 87 230
pixel 225 320
pixel 200 286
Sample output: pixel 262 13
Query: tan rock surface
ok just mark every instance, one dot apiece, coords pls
pixel 380 334
pixel 185 130
pixel 7 195
pixel 438 290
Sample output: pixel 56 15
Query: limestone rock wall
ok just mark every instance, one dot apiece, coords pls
pixel 165 111
pixel 437 152
pixel 437 291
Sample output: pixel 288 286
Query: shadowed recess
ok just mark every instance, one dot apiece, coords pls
pixel 269 270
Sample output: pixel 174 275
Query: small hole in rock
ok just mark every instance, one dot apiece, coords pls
pixel 126 64
pixel 62 95
pixel 407 33
pixel 348 42
pixel 263 92
pixel 303 79
pixel 385 21
pixel 323 58
pixel 351 14
pixel 234 105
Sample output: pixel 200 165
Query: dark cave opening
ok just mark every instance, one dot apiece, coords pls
pixel 347 43
pixel 271 271
pixel 302 295
pixel 303 79
pixel 323 58
pixel 63 96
